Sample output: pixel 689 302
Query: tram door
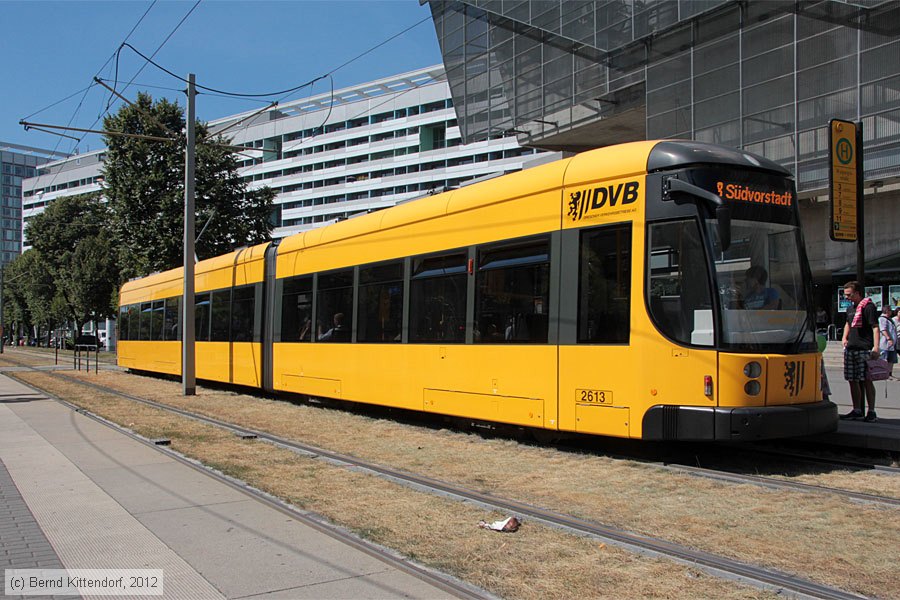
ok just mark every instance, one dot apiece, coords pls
pixel 598 364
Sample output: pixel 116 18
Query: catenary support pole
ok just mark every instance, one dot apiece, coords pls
pixel 860 210
pixel 188 365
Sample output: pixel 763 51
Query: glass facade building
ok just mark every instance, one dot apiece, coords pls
pixel 16 163
pixel 764 76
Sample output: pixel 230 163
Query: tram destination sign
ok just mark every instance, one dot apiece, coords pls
pixel 844 179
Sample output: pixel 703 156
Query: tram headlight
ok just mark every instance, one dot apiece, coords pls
pixel 753 369
pixel 752 388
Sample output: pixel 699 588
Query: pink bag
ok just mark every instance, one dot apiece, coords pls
pixel 878 369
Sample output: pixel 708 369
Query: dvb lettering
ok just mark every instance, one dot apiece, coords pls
pixel 627 192
pixel 589 199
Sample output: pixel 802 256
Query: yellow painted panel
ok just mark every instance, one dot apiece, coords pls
pixel 732 380
pixel 313 386
pixel 504 409
pixel 623 160
pixel 531 215
pixel 158 357
pixel 246 363
pixel 213 361
pixel 396 375
pixel 153 287
pixel 793 379
pixel 783 379
pixel 604 201
pixel 602 420
pixel 535 181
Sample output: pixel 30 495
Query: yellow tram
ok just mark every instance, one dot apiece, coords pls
pixel 654 290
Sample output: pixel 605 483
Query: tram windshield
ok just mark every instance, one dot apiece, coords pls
pixel 759 272
pixel 761 287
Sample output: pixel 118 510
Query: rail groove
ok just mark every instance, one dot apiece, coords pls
pixel 718 565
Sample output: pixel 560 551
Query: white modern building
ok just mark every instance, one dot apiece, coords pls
pixel 78 174
pixel 335 155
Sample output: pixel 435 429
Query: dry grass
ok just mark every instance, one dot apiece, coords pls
pixel 819 536
pixel 738 521
pixel 535 563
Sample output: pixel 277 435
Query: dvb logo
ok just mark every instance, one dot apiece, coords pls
pixel 586 200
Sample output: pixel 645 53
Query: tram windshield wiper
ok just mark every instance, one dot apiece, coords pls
pixel 723 211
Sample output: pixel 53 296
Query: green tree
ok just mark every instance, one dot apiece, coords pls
pixel 73 261
pixel 144 185
pixel 30 295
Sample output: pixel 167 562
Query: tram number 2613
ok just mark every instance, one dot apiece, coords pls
pixel 594 397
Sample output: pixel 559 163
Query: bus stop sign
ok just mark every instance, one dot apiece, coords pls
pixel 844 180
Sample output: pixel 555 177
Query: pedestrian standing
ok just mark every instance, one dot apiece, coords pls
pixel 888 345
pixel 861 342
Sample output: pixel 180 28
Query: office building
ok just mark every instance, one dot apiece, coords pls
pixel 766 76
pixel 17 163
pixel 331 156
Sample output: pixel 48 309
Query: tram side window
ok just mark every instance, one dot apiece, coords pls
pixel 296 309
pixel 146 321
pixel 334 307
pixel 604 286
pixel 201 317
pixel 123 323
pixel 134 322
pixel 512 294
pixel 221 316
pixel 171 329
pixel 242 313
pixel 437 304
pixel 156 320
pixel 380 303
pixel 678 282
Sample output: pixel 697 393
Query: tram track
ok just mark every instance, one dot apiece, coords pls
pixel 647 545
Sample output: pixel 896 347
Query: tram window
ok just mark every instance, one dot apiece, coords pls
pixel 678 282
pixel 334 307
pixel 512 294
pixel 604 285
pixel 242 313
pixel 296 309
pixel 201 317
pixel 221 316
pixel 171 329
pixel 156 320
pixel 134 318
pixel 437 305
pixel 123 323
pixel 145 320
pixel 380 303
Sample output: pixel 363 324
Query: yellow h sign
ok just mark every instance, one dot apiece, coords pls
pixel 843 178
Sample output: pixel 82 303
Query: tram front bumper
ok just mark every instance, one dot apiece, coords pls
pixel 696 423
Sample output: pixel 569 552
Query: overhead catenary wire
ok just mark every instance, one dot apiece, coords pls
pixel 116 53
pixel 173 89
pixel 160 47
pixel 168 37
pixel 149 60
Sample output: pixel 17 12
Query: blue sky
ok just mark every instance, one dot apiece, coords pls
pixel 51 50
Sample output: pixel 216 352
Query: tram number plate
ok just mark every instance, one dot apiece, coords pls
pixel 594 397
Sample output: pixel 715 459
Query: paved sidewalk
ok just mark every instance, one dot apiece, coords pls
pixel 101 500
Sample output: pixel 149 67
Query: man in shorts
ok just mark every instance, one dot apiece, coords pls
pixel 861 340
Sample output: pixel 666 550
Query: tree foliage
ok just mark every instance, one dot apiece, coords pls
pixel 144 185
pixel 71 261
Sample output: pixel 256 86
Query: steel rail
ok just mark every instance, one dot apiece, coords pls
pixel 719 565
pixel 439 580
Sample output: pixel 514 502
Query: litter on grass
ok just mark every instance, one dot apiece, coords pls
pixel 507 525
